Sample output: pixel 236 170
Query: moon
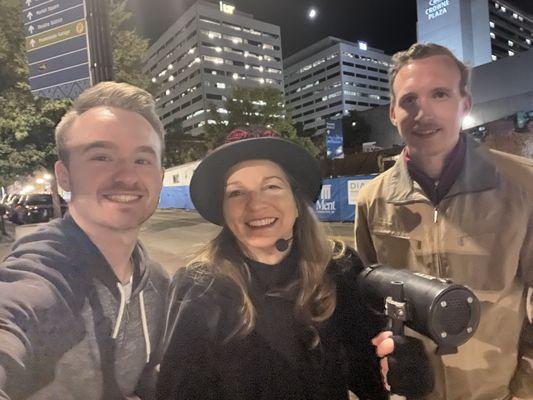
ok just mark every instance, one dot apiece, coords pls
pixel 312 13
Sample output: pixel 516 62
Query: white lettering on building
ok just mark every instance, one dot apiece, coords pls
pixel 436 8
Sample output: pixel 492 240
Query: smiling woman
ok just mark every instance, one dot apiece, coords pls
pixel 269 308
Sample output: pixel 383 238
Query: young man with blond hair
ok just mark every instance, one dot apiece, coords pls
pixel 452 208
pixel 81 303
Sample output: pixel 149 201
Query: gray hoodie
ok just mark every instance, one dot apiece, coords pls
pixel 66 328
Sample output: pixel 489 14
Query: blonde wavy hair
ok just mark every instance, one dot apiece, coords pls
pixel 314 292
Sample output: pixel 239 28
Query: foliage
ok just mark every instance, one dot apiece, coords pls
pixel 13 65
pixel 248 106
pixel 128 48
pixel 181 148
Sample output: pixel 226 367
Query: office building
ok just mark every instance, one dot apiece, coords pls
pixel 331 77
pixel 204 54
pixel 477 31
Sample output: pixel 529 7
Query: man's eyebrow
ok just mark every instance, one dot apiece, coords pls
pixel 146 149
pixel 98 144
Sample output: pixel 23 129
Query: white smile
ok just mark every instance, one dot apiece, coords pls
pixel 122 198
pixel 259 223
pixel 427 132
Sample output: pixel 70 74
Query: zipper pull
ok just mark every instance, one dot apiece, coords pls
pixel 435 215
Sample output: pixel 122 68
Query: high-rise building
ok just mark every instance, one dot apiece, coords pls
pixel 210 49
pixel 477 31
pixel 333 76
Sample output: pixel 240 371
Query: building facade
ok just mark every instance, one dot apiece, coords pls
pixel 210 49
pixel 331 77
pixel 477 31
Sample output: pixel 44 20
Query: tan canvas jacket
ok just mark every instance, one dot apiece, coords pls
pixel 481 235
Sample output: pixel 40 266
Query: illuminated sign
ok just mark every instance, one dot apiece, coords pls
pixel 226 8
pixel 362 45
pixel 436 8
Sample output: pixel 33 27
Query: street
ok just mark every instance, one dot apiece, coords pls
pixel 173 236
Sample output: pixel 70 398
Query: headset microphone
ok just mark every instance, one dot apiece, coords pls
pixel 283 244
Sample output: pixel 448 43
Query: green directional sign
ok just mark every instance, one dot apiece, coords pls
pixel 56 35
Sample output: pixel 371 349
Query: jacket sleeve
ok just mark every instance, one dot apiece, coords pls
pixel 363 239
pixel 34 316
pixel 358 325
pixel 187 369
pixel 522 382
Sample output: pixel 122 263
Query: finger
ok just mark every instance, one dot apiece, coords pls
pixel 384 364
pixel 381 337
pixel 384 348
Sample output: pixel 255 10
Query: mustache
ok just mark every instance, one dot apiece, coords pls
pixel 119 186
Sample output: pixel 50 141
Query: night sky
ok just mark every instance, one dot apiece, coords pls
pixel 385 24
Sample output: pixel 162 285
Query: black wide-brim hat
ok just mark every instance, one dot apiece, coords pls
pixel 209 178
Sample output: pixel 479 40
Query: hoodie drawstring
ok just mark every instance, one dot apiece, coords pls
pixel 145 326
pixel 120 310
pixel 144 322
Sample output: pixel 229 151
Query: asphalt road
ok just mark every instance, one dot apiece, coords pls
pixel 173 236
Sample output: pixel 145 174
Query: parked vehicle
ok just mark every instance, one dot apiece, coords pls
pixel 8 202
pixel 34 208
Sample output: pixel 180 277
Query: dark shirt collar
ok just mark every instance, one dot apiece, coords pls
pixel 436 189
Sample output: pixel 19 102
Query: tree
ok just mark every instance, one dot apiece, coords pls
pixel 128 48
pixel 247 106
pixel 181 148
pixel 26 122
pixel 13 65
pixel 356 130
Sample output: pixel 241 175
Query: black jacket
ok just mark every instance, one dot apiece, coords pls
pixel 198 365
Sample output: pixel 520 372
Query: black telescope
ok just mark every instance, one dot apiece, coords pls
pixel 447 313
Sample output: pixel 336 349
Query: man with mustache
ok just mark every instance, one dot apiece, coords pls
pixel 452 208
pixel 81 303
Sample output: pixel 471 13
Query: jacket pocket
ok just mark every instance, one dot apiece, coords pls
pixel 474 261
pixel 400 250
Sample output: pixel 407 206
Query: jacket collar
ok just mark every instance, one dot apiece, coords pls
pixel 478 174
pixel 93 263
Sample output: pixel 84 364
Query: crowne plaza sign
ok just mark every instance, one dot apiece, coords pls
pixel 436 8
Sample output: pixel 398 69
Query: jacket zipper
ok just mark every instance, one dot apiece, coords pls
pixel 437 242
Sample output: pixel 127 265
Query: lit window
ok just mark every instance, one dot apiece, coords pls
pixel 494 58
pixel 220 85
pixel 515 15
pixel 218 49
pixel 154 80
pixel 527 41
pixel 492 35
pixel 491 24
pixel 170 66
pixel 503 9
pixel 171 78
pixel 510 52
pixel 510 43
pixel 167 92
pixel 235 76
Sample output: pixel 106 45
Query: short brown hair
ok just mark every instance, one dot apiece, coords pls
pixel 423 50
pixel 109 94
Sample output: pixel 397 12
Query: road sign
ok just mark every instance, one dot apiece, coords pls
pixel 57 47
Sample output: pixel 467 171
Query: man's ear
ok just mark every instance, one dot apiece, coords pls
pixel 62 175
pixel 467 104
pixel 392 114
